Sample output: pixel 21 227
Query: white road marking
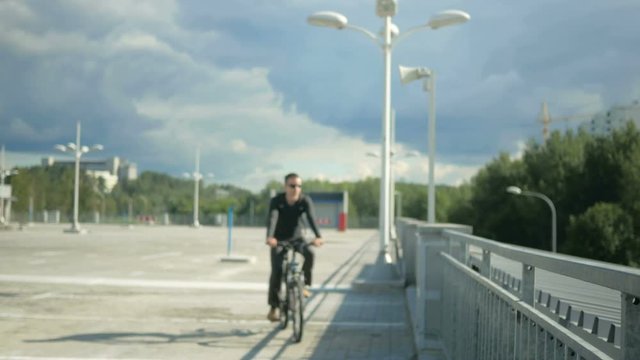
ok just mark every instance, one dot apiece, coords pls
pixel 173 284
pixel 170 284
pixel 42 296
pixel 161 255
pixel 10 357
pixel 225 273
pixel 49 253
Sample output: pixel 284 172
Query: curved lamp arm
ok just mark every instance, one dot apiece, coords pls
pixel 541 196
pixel 334 20
pixel 441 19
pixel 364 31
pixel 409 32
pixel 554 245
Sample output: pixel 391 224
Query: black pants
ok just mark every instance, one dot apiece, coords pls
pixel 277 257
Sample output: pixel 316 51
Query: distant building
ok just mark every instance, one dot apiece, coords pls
pixel 111 170
pixel 332 209
pixel 617 117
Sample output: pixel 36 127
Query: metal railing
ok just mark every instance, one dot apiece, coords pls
pixel 471 309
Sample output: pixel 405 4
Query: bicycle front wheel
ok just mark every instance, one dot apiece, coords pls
pixel 284 308
pixel 297 310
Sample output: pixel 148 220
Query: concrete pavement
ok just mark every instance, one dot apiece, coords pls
pixel 160 292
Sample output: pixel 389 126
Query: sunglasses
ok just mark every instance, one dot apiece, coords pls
pixel 293 186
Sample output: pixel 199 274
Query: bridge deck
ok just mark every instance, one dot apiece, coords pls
pixel 161 293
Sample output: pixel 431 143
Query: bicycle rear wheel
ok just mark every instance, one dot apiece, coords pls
pixel 297 310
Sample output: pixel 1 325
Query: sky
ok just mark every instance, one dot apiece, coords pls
pixel 262 93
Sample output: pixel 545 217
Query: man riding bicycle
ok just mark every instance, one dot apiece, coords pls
pixel 285 223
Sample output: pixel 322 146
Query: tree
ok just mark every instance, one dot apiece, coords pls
pixel 556 169
pixel 603 232
pixel 495 215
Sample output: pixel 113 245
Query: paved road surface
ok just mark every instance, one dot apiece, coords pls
pixel 156 292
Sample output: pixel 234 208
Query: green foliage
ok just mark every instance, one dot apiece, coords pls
pixel 51 188
pixel 488 192
pixel 604 231
pixel 593 182
pixel 579 173
pixel 365 197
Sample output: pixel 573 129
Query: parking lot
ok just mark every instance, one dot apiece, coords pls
pixel 161 292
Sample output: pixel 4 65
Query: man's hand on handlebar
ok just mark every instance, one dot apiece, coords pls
pixel 317 242
pixel 272 242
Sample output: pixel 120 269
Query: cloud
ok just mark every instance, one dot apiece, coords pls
pixel 262 93
pixel 238 146
pixel 50 42
pixel 138 11
pixel 140 41
pixel 15 11
pixel 19 128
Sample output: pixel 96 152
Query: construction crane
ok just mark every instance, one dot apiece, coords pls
pixel 546 119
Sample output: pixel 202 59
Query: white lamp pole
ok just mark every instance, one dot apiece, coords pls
pixel 430 86
pixel 407 75
pixel 196 195
pixel 3 174
pixel 393 192
pixel 517 191
pixel 390 35
pixel 77 150
pixel 385 179
pixel 197 176
pixel 392 178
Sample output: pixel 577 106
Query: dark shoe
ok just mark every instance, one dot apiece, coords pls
pixel 273 315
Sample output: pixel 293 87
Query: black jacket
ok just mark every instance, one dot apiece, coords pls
pixel 285 222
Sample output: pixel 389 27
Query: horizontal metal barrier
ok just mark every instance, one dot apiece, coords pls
pixel 483 321
pixel 476 310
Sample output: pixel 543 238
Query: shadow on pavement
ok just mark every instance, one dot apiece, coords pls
pixel 371 322
pixel 201 337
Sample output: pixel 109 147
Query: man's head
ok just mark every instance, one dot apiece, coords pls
pixel 292 186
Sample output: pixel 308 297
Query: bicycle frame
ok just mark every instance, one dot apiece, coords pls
pixel 292 304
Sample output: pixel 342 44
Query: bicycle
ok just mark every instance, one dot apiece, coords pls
pixel 291 297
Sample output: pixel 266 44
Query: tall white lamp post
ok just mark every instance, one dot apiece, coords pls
pixel 5 192
pixel 407 75
pixel 517 191
pixel 386 9
pixel 77 150
pixel 393 193
pixel 197 176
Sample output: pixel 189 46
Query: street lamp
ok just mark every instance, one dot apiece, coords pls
pixel 407 75
pixel 197 176
pixel 4 193
pixel 393 193
pixel 389 37
pixel 77 150
pixel 517 191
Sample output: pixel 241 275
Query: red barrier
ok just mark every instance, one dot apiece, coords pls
pixel 342 221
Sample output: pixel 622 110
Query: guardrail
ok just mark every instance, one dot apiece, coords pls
pixel 468 308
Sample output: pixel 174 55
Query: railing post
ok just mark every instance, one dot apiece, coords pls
pixel 486 264
pixel 528 283
pixel 420 253
pixel 630 327
pixel 409 244
pixel 465 253
pixel 429 277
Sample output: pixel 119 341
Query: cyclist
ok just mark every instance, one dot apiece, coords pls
pixel 284 223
